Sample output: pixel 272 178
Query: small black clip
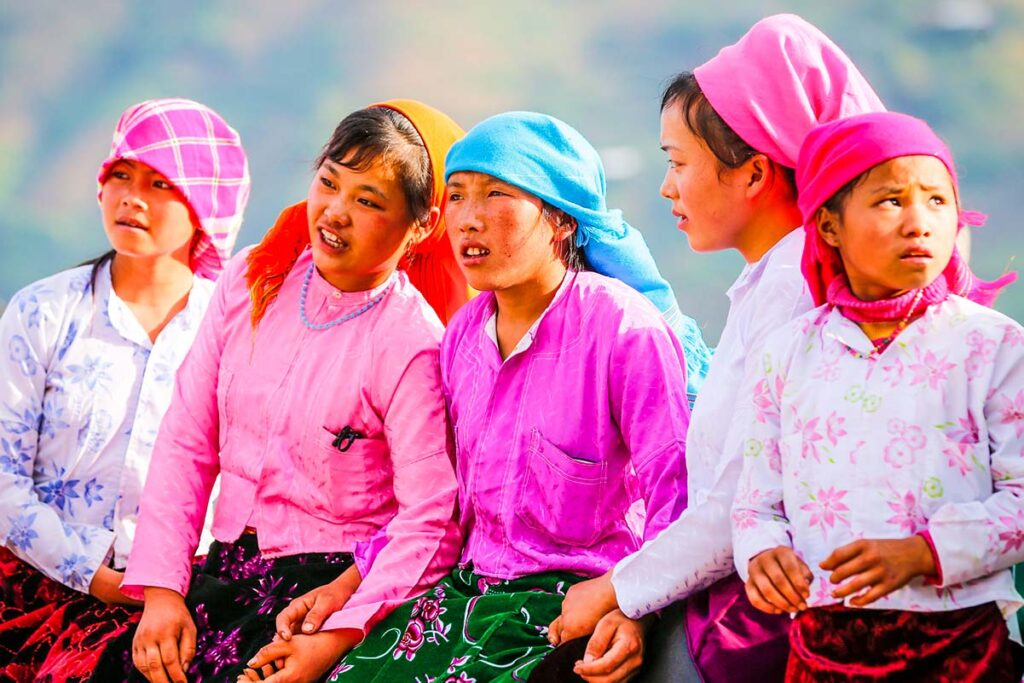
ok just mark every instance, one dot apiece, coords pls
pixel 344 438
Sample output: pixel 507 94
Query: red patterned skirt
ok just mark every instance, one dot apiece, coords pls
pixel 49 632
pixel 838 643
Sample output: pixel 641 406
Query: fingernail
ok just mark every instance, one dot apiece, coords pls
pixel 252 662
pixel 307 627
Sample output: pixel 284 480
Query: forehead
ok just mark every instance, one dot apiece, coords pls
pixel 378 170
pixel 911 170
pixel 675 133
pixel 135 165
pixel 477 179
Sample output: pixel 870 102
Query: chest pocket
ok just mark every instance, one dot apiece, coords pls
pixel 561 496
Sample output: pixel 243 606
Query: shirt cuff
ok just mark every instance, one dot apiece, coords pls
pixel 937 579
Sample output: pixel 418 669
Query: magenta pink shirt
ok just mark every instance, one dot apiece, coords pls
pixel 259 409
pixel 554 444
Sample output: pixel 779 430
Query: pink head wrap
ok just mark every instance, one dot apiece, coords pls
pixel 780 80
pixel 202 156
pixel 835 153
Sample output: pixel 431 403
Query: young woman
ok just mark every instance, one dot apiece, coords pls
pixel 87 373
pixel 731 130
pixel 550 375
pixel 314 390
pixel 882 488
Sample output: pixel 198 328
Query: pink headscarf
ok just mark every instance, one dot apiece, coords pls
pixel 202 156
pixel 835 153
pixel 780 80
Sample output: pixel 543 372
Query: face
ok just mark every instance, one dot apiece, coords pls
pixel 897 228
pixel 500 235
pixel 359 224
pixel 143 214
pixel 708 201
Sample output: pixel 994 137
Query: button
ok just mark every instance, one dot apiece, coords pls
pixel 336 295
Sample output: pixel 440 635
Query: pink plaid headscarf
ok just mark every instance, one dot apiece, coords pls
pixel 780 80
pixel 202 156
pixel 835 153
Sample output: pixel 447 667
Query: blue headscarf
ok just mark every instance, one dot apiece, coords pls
pixel 553 161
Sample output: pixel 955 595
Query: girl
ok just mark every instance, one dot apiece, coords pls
pixel 731 130
pixel 87 374
pixel 550 375
pixel 883 467
pixel 314 390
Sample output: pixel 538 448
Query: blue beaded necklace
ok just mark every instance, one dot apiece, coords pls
pixel 345 318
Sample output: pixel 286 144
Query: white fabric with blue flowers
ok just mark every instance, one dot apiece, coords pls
pixel 84 390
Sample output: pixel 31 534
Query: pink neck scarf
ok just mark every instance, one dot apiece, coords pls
pixel 202 156
pixel 835 153
pixel 780 80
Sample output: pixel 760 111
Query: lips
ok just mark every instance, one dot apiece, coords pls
pixel 473 252
pixel 130 223
pixel 916 254
pixel 682 220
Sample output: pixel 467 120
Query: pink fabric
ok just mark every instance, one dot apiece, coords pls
pixel 549 462
pixel 780 80
pixel 202 156
pixel 834 154
pixel 262 409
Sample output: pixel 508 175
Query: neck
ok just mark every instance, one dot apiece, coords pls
pixel 519 306
pixel 150 281
pixel 771 223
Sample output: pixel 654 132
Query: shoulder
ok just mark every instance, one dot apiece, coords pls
pixel 961 318
pixel 408 316
pixel 52 297
pixel 471 316
pixel 604 301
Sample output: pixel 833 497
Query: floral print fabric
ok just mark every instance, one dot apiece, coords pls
pixel 469 628
pixel 848 443
pixel 234 598
pixel 82 393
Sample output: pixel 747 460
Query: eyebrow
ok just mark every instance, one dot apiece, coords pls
pixel 372 190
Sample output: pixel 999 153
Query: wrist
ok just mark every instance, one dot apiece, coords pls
pixel 158 594
pixel 925 563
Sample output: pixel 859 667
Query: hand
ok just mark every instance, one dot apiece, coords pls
pixel 616 650
pixel 312 608
pixel 165 641
pixel 300 659
pixel 584 605
pixel 106 587
pixel 780 582
pixel 882 566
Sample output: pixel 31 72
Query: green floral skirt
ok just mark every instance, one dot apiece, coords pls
pixel 467 629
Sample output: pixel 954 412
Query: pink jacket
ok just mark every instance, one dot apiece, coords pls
pixel 262 410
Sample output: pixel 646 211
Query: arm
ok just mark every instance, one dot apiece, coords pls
pixel 977 538
pixel 66 551
pixel 422 538
pixel 695 550
pixel 184 464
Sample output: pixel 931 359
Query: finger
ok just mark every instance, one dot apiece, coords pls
pixel 187 646
pixel 154 667
pixel 171 659
pixel 858 583
pixel 623 649
pixel 841 555
pixel 600 641
pixel 248 675
pixel 758 601
pixel 770 593
pixel 269 653
pixel 776 573
pixel 268 670
pixel 317 614
pixel 799 576
pixel 288 620
pixel 555 631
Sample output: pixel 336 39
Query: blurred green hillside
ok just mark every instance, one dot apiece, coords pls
pixel 283 74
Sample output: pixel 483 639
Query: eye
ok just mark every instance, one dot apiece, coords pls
pixel 890 201
pixel 367 202
pixel 674 164
pixel 497 193
pixel 162 185
pixel 119 174
pixel 326 182
pixel 938 200
pixel 454 197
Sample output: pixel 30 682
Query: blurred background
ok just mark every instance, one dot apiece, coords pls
pixel 284 73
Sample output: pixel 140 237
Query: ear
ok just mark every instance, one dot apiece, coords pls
pixel 421 230
pixel 828 226
pixel 565 228
pixel 757 174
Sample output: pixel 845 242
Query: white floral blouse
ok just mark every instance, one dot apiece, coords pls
pixel 82 393
pixel 927 436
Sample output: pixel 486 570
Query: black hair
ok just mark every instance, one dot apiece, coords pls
pixel 702 120
pixel 96 264
pixel 381 134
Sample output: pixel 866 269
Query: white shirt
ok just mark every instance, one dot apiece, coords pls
pixel 83 393
pixel 928 435
pixel 696 550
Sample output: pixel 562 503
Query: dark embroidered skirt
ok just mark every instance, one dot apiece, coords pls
pixel 846 644
pixel 234 600
pixel 49 632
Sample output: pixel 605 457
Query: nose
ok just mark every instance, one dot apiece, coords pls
pixel 133 199
pixel 463 216
pixel 917 220
pixel 336 211
pixel 668 188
